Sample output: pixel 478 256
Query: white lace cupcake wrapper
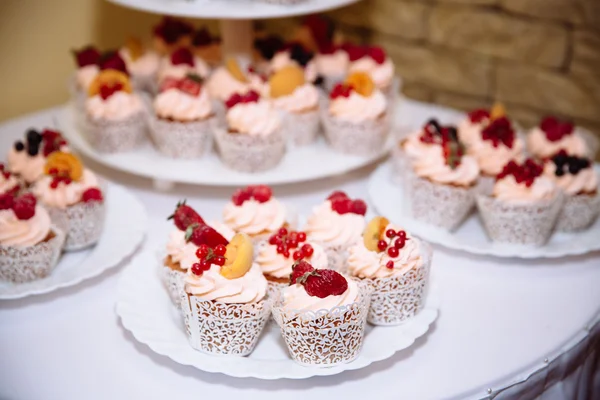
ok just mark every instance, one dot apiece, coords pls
pixel 108 136
pixel 220 111
pixel 182 139
pixel 578 212
pixel 301 129
pixel 173 282
pixel 591 140
pixel 226 329
pixel 446 206
pixel 19 265
pixel 357 138
pixel 325 338
pixel 247 153
pixel 529 223
pixel 82 222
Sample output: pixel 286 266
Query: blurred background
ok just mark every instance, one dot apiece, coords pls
pixel 538 57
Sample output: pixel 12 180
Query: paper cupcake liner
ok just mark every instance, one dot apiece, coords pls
pixel 220 111
pixel 108 136
pixel 325 338
pixel 146 83
pixel 392 93
pixel 521 223
pixel 398 298
pixel 173 281
pixel 226 329
pixel 182 139
pixel 247 153
pixel 83 223
pixel 442 205
pixel 578 212
pixel 301 128
pixel 591 140
pixel 24 264
pixel 357 138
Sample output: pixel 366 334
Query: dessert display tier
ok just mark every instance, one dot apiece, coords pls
pixel 223 9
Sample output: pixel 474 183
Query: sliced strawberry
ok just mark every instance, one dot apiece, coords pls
pixel 184 216
pixel 299 269
pixel 324 283
pixel 169 83
pixel 250 97
pixel 204 234
pixel 190 87
pixel 92 194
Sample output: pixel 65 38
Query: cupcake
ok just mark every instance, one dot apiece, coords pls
pixel 356 120
pixel 523 206
pixel 336 225
pixel 170 34
pixel 26 159
pixel 375 62
pixel 73 198
pixel 554 135
pixel 470 128
pixel 86 60
pixel 180 63
pixel 29 244
pixel 207 47
pixel 184 118
pixel 299 103
pixel 141 63
pixel 443 183
pixel 252 140
pixel 578 180
pixel 115 114
pixel 256 212
pixel 224 302
pixel 191 232
pixel 294 54
pixel 414 145
pixel 395 265
pixel 9 183
pixel 322 316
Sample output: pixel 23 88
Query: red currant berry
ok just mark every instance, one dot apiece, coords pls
pixel 307 250
pixel 382 245
pixel 401 234
pixel 390 264
pixel 196 269
pixel 301 237
pixel 202 252
pixel 54 184
pixel 283 231
pixel 205 265
pixel 297 254
pixel 291 242
pixel 393 252
pixel 53 171
pixel 219 260
pixel 390 233
pixel 220 250
pixel 280 249
pixel 273 240
pixel 286 253
pixel 399 243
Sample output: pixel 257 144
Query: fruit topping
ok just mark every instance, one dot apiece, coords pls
pixel 340 90
pixel 135 47
pixel 92 194
pixel 235 70
pixel 320 283
pixel 202 37
pixel 238 257
pixel 299 53
pixel 377 54
pixel 342 204
pixel 7 200
pixel 286 80
pixel 498 111
pixel 24 206
pixel 299 269
pixel 171 29
pixel 198 234
pixel 236 98
pixel 569 164
pixel 289 244
pixel 374 234
pixel 260 193
pixel 208 256
pixel 182 55
pixel 108 82
pixel 355 52
pixel 526 172
pixel 321 29
pixel 111 60
pixel 64 165
pixel 184 216
pixel 499 131
pixel 52 141
pixel 268 46
pixel 479 115
pixel 191 84
pixel 453 150
pixel 361 82
pixel 88 55
pixel 556 129
pixel 19 146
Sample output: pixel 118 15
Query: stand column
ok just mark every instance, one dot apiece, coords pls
pixel 237 37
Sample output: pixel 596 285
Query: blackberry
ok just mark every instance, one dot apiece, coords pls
pixel 19 146
pixel 33 136
pixel 436 125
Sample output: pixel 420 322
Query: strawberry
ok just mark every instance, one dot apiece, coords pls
pixel 323 283
pixel 184 216
pixel 377 54
pixel 24 206
pixel 262 193
pixel 358 207
pixel 341 205
pixel 112 60
pixel 6 201
pixel 169 83
pixel 189 86
pixel 299 269
pixel 337 194
pixel 355 52
pixel 233 100
pixel 182 56
pixel 92 194
pixel 88 55
pixel 204 234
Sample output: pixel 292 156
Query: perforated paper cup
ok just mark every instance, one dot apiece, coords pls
pixel 578 212
pixel 83 223
pixel 363 138
pixel 109 136
pixel 185 140
pixel 247 153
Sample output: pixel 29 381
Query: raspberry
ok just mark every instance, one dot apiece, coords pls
pixel 358 207
pixel 88 55
pixel 479 115
pixel 377 54
pixel 323 283
pixel 6 201
pixel 337 194
pixel 355 52
pixel 171 29
pixel 24 206
pixel 112 60
pixel 184 216
pixel 182 56
pixel 341 206
pixel 299 269
pixel 555 129
pixel 250 97
pixel 262 193
pixel 499 131
pixel 240 196
pixel 92 194
pixel 233 100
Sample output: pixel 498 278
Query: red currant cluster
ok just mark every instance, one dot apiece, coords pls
pixel 340 90
pixel 499 131
pixel 555 129
pixel 479 115
pixel 524 173
pixel 250 97
pixel 394 247
pixel 260 193
pixel 5 173
pixel 58 177
pixel 342 204
pixel 288 240
pixel 207 257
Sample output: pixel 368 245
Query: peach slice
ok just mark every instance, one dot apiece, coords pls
pixel 65 164
pixel 374 232
pixel 361 82
pixel 286 80
pixel 135 47
pixel 497 111
pixel 109 77
pixel 234 69
pixel 238 257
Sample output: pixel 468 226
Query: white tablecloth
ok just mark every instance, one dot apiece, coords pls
pixel 513 326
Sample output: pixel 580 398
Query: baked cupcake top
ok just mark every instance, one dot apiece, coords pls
pixel 22 222
pixel 386 250
pixel 227 273
pixel 66 182
pixel 574 175
pixel 554 135
pixel 180 63
pixel 373 61
pixel 446 163
pixel 357 99
pixel 294 54
pixel 86 60
pixel 248 114
pixel 254 210
pixel 183 100
pixel 231 78
pixel 523 183
pixel 8 181
pixel 317 289
pixel 339 221
pixel 28 157
pixel 277 255
pixel 139 60
pixel 111 97
pixel 290 92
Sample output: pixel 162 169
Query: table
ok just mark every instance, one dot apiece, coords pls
pixel 500 322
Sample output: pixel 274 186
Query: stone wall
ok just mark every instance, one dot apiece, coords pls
pixel 536 56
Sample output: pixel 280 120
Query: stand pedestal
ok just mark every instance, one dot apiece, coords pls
pixel 237 37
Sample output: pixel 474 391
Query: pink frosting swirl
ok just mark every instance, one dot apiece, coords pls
pixel 331 229
pixel 585 181
pixel 283 59
pixel 179 71
pixel 145 65
pixel 211 285
pixel 275 264
pixel 357 108
pixel 303 98
pixel 64 195
pixel 29 168
pixel 541 147
pixel 364 263
pixel 469 132
pixel 85 75
pixel 492 159
pixel 254 218
pixel 181 106
pixel 254 119
pixel 295 298
pixel 433 166
pixel 413 146
pixel 117 107
pixel 382 74
pixel 24 233
pixel 507 189
pixel 222 85
pixel 334 64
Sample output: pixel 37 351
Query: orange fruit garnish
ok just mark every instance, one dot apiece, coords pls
pixel 135 47
pixel 109 77
pixel 286 80
pixel 234 69
pixel 497 111
pixel 64 164
pixel 361 82
pixel 238 257
pixel 374 233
